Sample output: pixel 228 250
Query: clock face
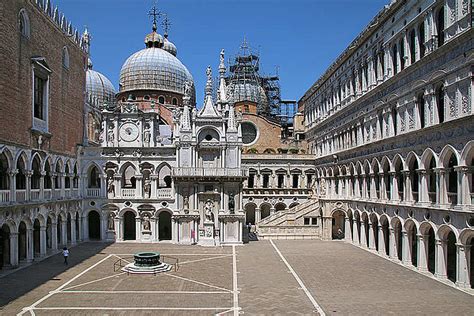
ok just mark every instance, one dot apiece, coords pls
pixel 129 132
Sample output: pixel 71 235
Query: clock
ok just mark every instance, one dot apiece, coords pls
pixel 128 132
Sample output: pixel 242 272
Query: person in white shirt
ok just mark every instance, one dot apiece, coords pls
pixel 65 255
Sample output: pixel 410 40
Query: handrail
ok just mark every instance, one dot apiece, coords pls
pixel 175 264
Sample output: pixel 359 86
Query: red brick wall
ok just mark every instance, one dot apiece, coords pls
pixel 66 87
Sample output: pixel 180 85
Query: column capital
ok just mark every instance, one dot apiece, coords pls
pixel 13 172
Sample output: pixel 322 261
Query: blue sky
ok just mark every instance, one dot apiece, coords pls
pixel 300 37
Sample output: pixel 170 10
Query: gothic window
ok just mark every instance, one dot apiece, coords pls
pixel 402 54
pixel 67 179
pixel 440 26
pixel 94 180
pixel 266 180
pixel 421 39
pixel 421 109
pixel 36 177
pixel 128 178
pixel 412 47
pixel 21 175
pixel 251 180
pixel 47 177
pixel 24 23
pixel 394 59
pixel 309 180
pixel 295 181
pixel 440 103
pixel 161 100
pixel 281 180
pixel 65 57
pixel 4 179
pixel 394 120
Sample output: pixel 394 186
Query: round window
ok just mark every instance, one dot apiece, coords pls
pixel 249 133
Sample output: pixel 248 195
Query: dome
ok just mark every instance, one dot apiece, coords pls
pixel 154 69
pixel 99 89
pixel 170 47
pixel 238 92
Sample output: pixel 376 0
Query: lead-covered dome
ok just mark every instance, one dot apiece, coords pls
pixel 99 89
pixel 246 91
pixel 154 68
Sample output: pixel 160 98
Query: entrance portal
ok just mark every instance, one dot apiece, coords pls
pixel 338 218
pixel 164 229
pixel 129 228
pixel 94 225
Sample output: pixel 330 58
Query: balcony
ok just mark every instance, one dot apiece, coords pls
pixel 4 196
pixel 93 192
pixel 47 194
pixel 164 193
pixel 129 193
pixel 209 172
pixel 35 195
pixel 277 191
pixel 20 195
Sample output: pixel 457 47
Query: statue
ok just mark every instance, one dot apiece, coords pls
pixel 147 134
pixel 208 211
pixel 147 187
pixel 231 203
pixel 222 56
pixel 111 221
pixel 146 222
pixel 110 134
pixel 111 186
pixel 323 187
pixel 186 202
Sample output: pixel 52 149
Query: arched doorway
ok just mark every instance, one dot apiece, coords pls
pixel 365 219
pixel 36 238
pixel 250 214
pixel 397 232
pixel 22 242
pixel 4 246
pixel 93 219
pixel 338 227
pixel 431 250
pixel 386 234
pixel 375 230
pixel 129 228
pixel 411 230
pixel 164 229
pixel 264 211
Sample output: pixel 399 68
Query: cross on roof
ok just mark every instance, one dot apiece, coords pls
pixel 166 24
pixel 155 14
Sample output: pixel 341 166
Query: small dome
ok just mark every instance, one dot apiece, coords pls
pixel 99 89
pixel 170 47
pixel 248 91
pixel 153 40
pixel 154 69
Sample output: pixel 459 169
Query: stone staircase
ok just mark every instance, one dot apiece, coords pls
pixel 289 224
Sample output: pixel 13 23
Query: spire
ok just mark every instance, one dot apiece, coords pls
pixel 222 85
pixel 231 123
pixel 208 108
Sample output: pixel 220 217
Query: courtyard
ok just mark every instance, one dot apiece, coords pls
pixel 264 277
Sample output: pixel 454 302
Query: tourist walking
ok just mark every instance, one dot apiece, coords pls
pixel 65 254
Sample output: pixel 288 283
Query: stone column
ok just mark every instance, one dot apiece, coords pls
pixel 28 175
pixel 382 189
pixel 382 250
pixel 85 228
pixel 440 258
pixel 258 215
pixel 406 249
pixel 81 231
pixel 407 194
pixel 41 196
pixel 371 237
pixel 363 236
pixel 29 245
pixel 12 174
pixel 64 231
pixel 117 184
pixel 118 222
pixel 54 235
pixel 422 255
pixel 154 187
pixel 43 245
pixel 103 185
pixel 138 228
pixel 357 186
pixel 14 249
pixel 441 193
pixel 139 186
pixel 347 230
pixel 462 185
pixel 394 187
pixel 393 244
pixel 373 187
pixel 73 231
pixel 462 266
pixel 423 188
pixel 355 233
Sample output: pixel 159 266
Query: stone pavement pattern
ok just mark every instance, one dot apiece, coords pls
pixel 343 279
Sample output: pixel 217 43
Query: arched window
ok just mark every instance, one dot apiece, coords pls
pixel 412 47
pixel 440 103
pixel 402 54
pixel 4 167
pixel 421 109
pixel 395 59
pixel 36 177
pixel 175 101
pixel 161 99
pixel 440 26
pixel 65 58
pixel 421 39
pixel 24 23
pixel 94 180
pixel 128 178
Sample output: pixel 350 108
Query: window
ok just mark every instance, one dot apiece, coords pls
pixel 266 180
pixel 440 103
pixel 440 27
pixel 402 54
pixel 281 181
pixel 394 59
pixel 65 58
pixel 249 133
pixel 175 101
pixel 309 180
pixel 24 23
pixel 39 93
pixel 161 100
pixel 421 109
pixel 412 47
pixel 307 221
pixel 251 181
pixel 295 181
pixel 421 39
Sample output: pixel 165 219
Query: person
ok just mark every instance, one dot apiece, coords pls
pixel 65 254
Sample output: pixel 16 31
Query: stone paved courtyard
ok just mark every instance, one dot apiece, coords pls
pixel 337 277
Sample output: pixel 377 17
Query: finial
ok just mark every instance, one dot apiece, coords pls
pixel 209 81
pixel 154 14
pixel 166 24
pixel 244 44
